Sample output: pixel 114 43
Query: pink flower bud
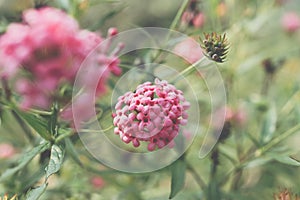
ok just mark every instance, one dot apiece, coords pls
pixel 112 31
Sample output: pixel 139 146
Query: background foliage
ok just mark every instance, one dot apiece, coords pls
pixel 257 159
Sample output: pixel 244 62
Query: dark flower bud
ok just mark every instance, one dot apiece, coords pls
pixel 215 46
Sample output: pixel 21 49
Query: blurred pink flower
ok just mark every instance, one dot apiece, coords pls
pixel 45 51
pixel 79 112
pixel 240 117
pixel 198 20
pixel 153 113
pixel 290 22
pixel 189 49
pixel 6 151
pixel 97 182
pixel 237 117
pixel 193 18
pixel 222 115
pixel 187 17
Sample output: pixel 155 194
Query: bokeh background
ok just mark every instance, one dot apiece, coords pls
pixel 266 103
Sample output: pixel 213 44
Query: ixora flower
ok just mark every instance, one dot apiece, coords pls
pixel 45 52
pixel 152 113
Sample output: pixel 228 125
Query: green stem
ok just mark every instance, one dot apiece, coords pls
pixel 277 140
pixel 41 112
pixel 24 127
pixel 174 24
pixel 95 131
pixel 63 136
pixel 266 84
pixel 179 14
pixel 261 151
pixel 196 176
pixel 236 180
pixel 190 69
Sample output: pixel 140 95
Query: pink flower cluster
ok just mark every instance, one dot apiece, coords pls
pixel 153 113
pixel 46 51
pixel 290 22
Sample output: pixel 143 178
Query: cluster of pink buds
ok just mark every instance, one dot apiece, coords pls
pixel 152 113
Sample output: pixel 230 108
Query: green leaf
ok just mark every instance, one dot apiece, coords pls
pixel 25 159
pixel 178 177
pixel 56 160
pixel 65 4
pixel 269 124
pixel 72 151
pixel 258 162
pixel 52 122
pixel 297 110
pixel 36 123
pixel 36 193
pixel 107 16
pixel 287 160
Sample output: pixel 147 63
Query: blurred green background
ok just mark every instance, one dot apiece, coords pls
pixel 255 33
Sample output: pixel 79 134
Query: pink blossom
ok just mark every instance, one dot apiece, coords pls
pixel 112 31
pixel 237 117
pixel 187 17
pixel 240 117
pixel 79 110
pixel 97 182
pixel 290 22
pixel 6 151
pixel 153 113
pixel 46 51
pixel 193 18
pixel 198 20
pixel 222 115
pixel 189 49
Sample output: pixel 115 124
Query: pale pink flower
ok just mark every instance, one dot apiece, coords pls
pixel 198 20
pixel 189 49
pixel 222 115
pixel 237 117
pixel 6 151
pixel 193 18
pixel 290 22
pixel 153 113
pixel 97 182
pixel 79 112
pixel 187 17
pixel 240 117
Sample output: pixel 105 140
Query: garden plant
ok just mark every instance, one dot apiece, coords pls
pixel 150 100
